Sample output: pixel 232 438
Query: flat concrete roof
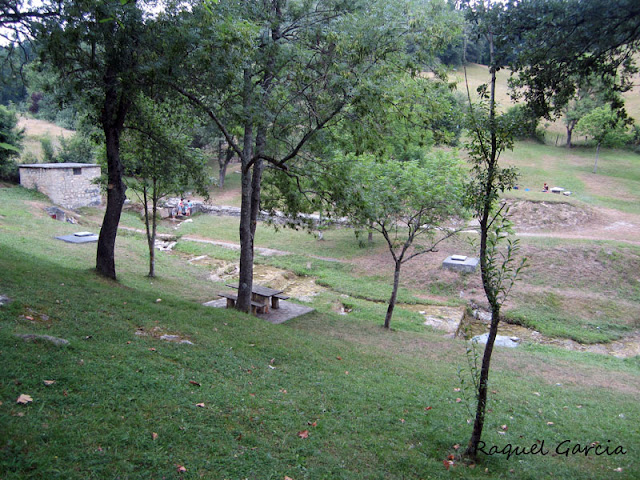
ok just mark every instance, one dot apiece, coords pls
pixel 59 165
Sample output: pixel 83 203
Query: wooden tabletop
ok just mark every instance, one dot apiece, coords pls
pixel 260 290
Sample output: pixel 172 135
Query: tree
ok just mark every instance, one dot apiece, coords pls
pixel 373 167
pixel 601 124
pixel 286 70
pixel 403 201
pixel 10 142
pixel 159 160
pixel 551 45
pixel 490 134
pixel 17 18
pixel 97 50
pixel 591 94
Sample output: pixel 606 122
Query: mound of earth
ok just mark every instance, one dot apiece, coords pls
pixel 530 215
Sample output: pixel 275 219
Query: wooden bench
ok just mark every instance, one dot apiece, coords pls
pixel 275 300
pixel 255 306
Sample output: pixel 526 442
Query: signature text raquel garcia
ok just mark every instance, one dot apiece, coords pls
pixel 566 448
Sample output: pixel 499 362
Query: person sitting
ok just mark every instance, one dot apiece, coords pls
pixel 545 188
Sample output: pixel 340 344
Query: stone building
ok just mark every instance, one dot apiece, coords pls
pixel 69 185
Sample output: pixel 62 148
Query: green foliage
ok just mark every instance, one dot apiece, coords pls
pixel 156 150
pixel 48 150
pixel 77 149
pixel 490 136
pixel 554 44
pixel 524 121
pixel 12 83
pixel 10 143
pixel 604 126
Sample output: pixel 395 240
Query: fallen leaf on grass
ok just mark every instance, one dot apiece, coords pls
pixel 192 382
pixel 287 478
pixel 314 424
pixel 49 382
pixel 458 400
pixel 272 367
pixel 154 436
pixel 537 394
pixel 456 446
pixel 447 463
pixel 456 389
pixel 428 408
pixel 619 469
pixel 338 358
pixel 181 469
pixel 549 423
pixel 402 420
pixel 201 405
pixel 24 399
pixel 304 434
pixel 152 349
pixel 504 427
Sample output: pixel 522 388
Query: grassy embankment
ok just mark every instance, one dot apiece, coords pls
pixel 376 404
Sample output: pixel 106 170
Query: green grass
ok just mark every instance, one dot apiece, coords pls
pixel 339 242
pixel 618 170
pixel 362 393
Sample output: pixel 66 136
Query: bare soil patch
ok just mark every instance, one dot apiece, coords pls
pixel 540 215
pixel 566 220
pixel 300 288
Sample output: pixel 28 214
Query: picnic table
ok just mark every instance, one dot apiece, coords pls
pixel 261 298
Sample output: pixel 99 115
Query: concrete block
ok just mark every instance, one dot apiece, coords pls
pixel 460 263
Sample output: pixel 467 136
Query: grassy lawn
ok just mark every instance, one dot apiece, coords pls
pixel 237 401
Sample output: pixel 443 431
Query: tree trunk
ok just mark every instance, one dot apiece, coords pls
pixel 489 288
pixel 151 231
pixel 114 111
pixel 245 281
pixel 224 158
pixel 252 167
pixel 478 425
pixel 595 165
pixel 394 294
pixel 105 254
pixel 569 133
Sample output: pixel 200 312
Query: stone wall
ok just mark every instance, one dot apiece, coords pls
pixel 69 185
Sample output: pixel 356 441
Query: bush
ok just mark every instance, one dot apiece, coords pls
pixel 9 172
pixel 524 123
pixel 77 149
pixel 10 144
